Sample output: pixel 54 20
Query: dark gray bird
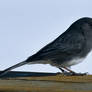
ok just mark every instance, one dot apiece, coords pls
pixel 68 49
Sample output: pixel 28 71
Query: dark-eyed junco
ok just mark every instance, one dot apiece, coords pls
pixel 68 49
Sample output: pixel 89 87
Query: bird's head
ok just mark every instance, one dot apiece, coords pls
pixel 83 25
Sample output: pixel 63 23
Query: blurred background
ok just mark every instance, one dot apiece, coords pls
pixel 28 25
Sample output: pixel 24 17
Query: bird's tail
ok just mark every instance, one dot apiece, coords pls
pixel 12 67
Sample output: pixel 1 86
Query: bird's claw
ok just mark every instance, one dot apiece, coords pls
pixel 73 74
pixel 78 74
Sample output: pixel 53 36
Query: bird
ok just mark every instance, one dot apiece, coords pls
pixel 69 49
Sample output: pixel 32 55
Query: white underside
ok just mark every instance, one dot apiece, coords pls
pixel 66 64
pixel 73 62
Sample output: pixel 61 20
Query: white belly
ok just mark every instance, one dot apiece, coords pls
pixel 66 64
pixel 74 62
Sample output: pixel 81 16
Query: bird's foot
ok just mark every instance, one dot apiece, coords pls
pixel 72 73
pixel 78 74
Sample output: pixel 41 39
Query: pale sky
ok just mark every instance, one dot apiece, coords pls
pixel 28 25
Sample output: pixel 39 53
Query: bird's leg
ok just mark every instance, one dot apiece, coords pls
pixel 74 73
pixel 69 70
pixel 62 69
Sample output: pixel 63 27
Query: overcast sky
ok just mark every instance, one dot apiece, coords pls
pixel 28 25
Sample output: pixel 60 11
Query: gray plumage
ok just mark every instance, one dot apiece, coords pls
pixel 66 50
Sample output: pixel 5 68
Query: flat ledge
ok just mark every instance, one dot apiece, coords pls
pixel 42 82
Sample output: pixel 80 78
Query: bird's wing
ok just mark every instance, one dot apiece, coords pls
pixel 71 43
pixel 67 43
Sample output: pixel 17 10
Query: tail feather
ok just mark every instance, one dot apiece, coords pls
pixel 12 67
